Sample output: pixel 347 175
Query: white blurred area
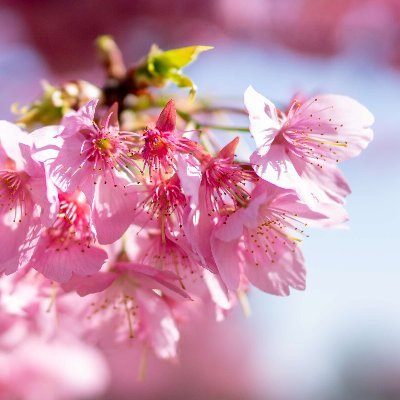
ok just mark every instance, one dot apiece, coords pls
pixel 338 340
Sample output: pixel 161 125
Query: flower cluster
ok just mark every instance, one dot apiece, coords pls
pixel 130 230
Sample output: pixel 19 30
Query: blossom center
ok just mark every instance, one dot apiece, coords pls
pixel 105 149
pixel 104 144
pixel 157 150
pixel 277 230
pixel 72 223
pixel 166 198
pixel 225 185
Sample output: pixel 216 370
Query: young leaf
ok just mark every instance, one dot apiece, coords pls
pixel 176 58
pixel 163 66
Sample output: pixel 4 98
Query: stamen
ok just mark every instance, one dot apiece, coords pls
pixel 304 136
pixel 72 223
pixel 128 315
pixel 165 202
pixel 275 230
pixel 159 148
pixel 15 194
pixel 143 364
pixel 107 149
pixel 225 185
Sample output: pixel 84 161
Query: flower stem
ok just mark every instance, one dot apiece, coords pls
pixel 219 109
pixel 222 127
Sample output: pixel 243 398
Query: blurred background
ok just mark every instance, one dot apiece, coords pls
pixel 339 339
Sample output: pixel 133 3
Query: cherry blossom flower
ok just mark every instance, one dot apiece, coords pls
pixel 96 160
pixel 259 242
pixel 175 254
pixel 132 300
pixel 28 200
pixel 298 148
pixel 68 246
pixel 218 187
pixel 164 201
pixel 225 181
pixel 163 143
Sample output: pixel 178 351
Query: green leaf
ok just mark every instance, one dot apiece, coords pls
pixel 163 66
pixel 183 81
pixel 176 58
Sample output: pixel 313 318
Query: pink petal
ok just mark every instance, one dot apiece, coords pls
pixel 189 172
pixel 288 202
pixel 264 122
pixel 337 118
pixel 59 265
pixel 327 184
pixel 85 285
pixel 113 210
pixel 11 137
pixel 75 120
pixel 227 258
pixel 66 170
pixel 233 227
pixel 46 144
pixel 18 242
pixel 285 171
pixel 45 194
pixel 217 289
pixel 153 278
pixel 167 120
pixel 88 188
pixel 278 277
pixel 328 189
pixel 111 118
pixel 276 167
pixel 198 227
pixel 158 326
pixel 229 150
